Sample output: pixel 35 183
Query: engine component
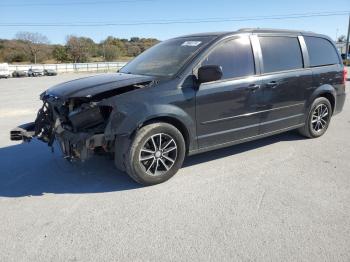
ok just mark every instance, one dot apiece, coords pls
pixel 83 118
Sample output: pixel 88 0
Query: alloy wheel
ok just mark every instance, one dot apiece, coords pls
pixel 158 154
pixel 320 118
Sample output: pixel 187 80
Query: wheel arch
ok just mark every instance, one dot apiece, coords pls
pixel 330 97
pixel 123 141
pixel 172 121
pixel 326 91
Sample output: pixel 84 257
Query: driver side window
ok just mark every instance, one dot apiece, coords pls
pixel 235 57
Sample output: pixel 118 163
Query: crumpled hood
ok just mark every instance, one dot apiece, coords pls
pixel 93 85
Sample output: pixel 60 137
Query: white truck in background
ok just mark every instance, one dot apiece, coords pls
pixel 4 70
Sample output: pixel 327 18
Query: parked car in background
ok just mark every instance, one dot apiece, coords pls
pixel 193 94
pixel 35 72
pixel 4 70
pixel 346 59
pixel 343 56
pixel 19 73
pixel 50 72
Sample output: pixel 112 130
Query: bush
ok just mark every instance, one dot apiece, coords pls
pixel 60 54
pixel 15 56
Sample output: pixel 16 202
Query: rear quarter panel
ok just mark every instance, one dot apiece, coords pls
pixel 329 79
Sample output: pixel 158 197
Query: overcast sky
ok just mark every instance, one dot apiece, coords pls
pixel 23 13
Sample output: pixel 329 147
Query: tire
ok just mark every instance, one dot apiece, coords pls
pixel 149 161
pixel 315 125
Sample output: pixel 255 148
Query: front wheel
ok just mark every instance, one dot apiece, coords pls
pixel 318 119
pixel 156 154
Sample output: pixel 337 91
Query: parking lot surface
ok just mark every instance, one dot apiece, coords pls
pixel 283 198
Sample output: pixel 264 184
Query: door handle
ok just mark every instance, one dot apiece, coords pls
pixel 253 87
pixel 272 84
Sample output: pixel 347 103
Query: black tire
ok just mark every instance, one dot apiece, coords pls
pixel 315 127
pixel 157 168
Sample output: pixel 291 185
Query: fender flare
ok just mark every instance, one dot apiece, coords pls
pixel 125 124
pixel 322 90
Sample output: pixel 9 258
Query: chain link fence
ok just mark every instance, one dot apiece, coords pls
pixel 73 67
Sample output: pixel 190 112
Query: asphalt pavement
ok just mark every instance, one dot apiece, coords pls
pixel 282 198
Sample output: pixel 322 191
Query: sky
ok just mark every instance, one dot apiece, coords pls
pixel 24 14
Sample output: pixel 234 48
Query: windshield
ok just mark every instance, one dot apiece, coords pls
pixel 166 58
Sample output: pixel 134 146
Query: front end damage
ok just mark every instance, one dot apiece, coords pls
pixel 78 124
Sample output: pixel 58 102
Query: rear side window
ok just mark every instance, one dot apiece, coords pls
pixel 235 57
pixel 321 51
pixel 280 53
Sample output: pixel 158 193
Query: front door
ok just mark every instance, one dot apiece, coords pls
pixel 226 109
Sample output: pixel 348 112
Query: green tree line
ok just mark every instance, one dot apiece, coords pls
pixel 35 48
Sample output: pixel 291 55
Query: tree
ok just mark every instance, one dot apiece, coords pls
pixel 80 48
pixel 133 50
pixel 134 39
pixel 34 47
pixel 33 42
pixel 111 52
pixel 60 54
pixel 15 56
pixel 112 48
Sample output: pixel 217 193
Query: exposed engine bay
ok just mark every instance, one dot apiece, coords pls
pixel 77 123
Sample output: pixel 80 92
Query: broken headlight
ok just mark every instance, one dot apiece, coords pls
pixel 89 116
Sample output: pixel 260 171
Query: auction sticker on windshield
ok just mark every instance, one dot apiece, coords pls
pixel 191 43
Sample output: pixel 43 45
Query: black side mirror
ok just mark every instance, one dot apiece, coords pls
pixel 209 73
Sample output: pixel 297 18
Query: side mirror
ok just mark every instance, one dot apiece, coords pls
pixel 209 73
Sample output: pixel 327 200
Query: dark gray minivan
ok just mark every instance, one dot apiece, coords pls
pixel 193 94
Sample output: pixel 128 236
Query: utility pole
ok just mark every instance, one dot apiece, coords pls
pixel 347 40
pixel 336 34
pixel 104 52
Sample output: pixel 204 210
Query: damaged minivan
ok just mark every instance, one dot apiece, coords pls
pixel 193 94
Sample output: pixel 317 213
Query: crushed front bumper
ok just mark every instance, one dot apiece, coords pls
pixel 79 145
pixel 23 132
pixel 73 145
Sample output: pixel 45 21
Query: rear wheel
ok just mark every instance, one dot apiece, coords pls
pixel 318 118
pixel 156 154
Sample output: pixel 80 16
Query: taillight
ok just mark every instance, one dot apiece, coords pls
pixel 345 74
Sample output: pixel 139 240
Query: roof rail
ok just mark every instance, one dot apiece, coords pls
pixel 258 29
